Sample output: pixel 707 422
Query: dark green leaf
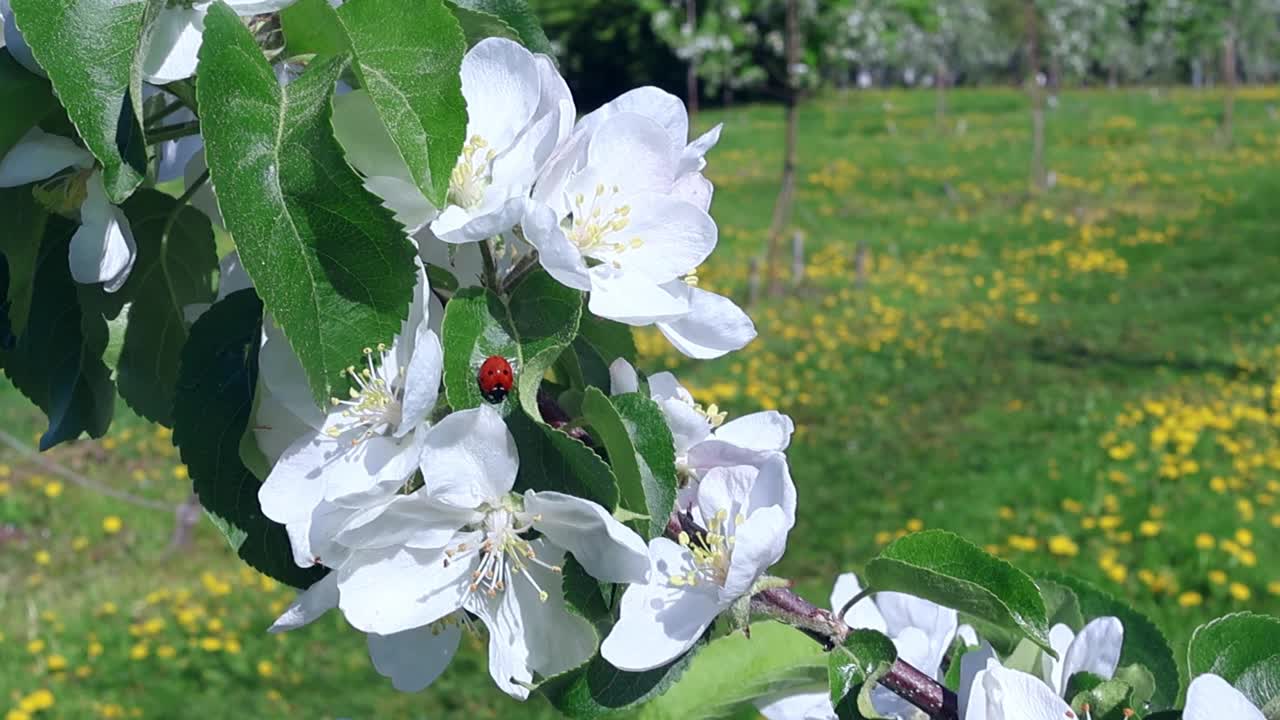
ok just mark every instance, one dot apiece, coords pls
pixel 545 315
pixel 1107 699
pixel 1144 644
pixel 88 47
pixel 26 98
pixel 172 271
pixel 311 27
pixel 57 363
pixel 1061 604
pixel 441 279
pixel 611 339
pixel 732 671
pixel 585 596
pixel 1243 648
pixel 599 689
pixel 515 14
pixel 852 669
pixel 641 450
pixel 25 220
pixel 408 55
pixel 330 263
pixel 551 460
pixel 953 572
pixel 216 383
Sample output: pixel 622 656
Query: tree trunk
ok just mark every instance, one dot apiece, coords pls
pixel 1228 83
pixel 1037 99
pixel 940 94
pixel 691 74
pixel 786 192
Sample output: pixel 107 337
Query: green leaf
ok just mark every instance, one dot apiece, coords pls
pixel 311 27
pixel 1107 699
pixel 1144 644
pixel 25 221
pixel 441 279
pixel 515 14
pixel 477 26
pixel 531 332
pixel 641 451
pixel 57 363
pixel 176 261
pixel 585 596
pixel 732 671
pixel 1243 648
pixel 1061 604
pixel 852 669
pixel 598 689
pixel 88 47
pixel 216 383
pixel 949 570
pixel 26 98
pixel 330 263
pixel 408 55
pixel 611 339
pixel 551 460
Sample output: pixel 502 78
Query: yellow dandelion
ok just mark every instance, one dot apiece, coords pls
pixel 56 663
pixel 1240 591
pixel 53 489
pixel 1190 598
pixel 1063 546
pixel 112 524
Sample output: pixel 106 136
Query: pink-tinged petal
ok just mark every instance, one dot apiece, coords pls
pixel 414 659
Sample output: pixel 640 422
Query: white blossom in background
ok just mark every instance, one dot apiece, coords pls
pixel 621 212
pixel 173 50
pixel 1209 697
pixel 703 438
pixel 15 43
pixel 1095 650
pixel 692 580
pixel 922 631
pixel 102 249
pixel 409 562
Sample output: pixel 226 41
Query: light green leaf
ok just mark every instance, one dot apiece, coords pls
pixel 953 572
pixel 641 452
pixel 330 263
pixel 173 270
pixel 515 14
pixel 1144 644
pixel 215 396
pixel 852 669
pixel 408 56
pixel 57 363
pixel 88 47
pixel 311 27
pixel 26 98
pixel 1244 649
pixel 25 221
pixel 477 26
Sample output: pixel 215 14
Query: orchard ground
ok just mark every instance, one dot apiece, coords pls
pixel 1083 379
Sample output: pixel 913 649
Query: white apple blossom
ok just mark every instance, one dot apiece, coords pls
pixel 695 579
pixel 621 211
pixel 1095 650
pixel 703 438
pixel 174 46
pixel 15 43
pixel 102 249
pixel 998 693
pixel 368 439
pixel 1209 697
pixel 922 631
pixel 408 562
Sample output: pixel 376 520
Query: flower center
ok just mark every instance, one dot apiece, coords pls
pixel 711 552
pixel 503 553
pixel 597 218
pixel 373 405
pixel 470 177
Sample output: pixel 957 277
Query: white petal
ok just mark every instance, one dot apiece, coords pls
pixel 664 386
pixel 659 621
pixel 529 632
pixel 368 146
pixel 275 427
pixel 634 153
pixel 309 605
pixel 902 611
pixel 797 706
pixel 760 542
pixel 173 156
pixel 1209 697
pixel 280 370
pixel 501 86
pixel 409 520
pixel 694 189
pixel 556 253
pixel 662 107
pixel 174 49
pixel 350 468
pixel 422 380
pixel 39 155
pixel 688 426
pixel 1060 637
pixel 501 210
pixel 292 490
pixel 675 238
pixel 413 659
pixel 972 697
pixel 607 549
pixel 622 377
pixel 632 299
pixel 394 589
pixel 469 458
pixel 913 648
pixel 1095 650
pixel 864 614
pixel 1014 695
pixel 18 47
pixel 411 208
pixel 713 326
pixel 767 430
pixel 691 158
pixel 102 249
pixel 258 7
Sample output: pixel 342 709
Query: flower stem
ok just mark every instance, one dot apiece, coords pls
pixel 173 132
pixel 490 266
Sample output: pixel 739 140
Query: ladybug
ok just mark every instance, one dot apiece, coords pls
pixel 495 379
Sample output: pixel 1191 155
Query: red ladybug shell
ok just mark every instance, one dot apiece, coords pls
pixel 495 379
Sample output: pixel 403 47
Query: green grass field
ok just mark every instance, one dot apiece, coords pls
pixel 1082 380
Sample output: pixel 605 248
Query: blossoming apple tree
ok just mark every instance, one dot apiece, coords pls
pixel 411 193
